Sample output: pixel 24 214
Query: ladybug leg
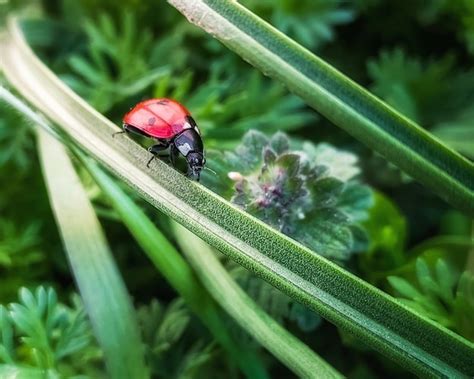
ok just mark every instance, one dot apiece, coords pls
pixel 149 161
pixel 155 150
pixel 125 130
pixel 174 152
pixel 121 132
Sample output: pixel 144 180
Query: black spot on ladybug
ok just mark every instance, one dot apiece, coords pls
pixel 151 121
pixel 162 102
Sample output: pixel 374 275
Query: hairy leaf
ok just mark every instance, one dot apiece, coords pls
pixel 304 194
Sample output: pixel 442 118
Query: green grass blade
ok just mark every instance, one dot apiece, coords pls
pixel 338 98
pixel 176 271
pixel 288 349
pixel 101 286
pixel 376 318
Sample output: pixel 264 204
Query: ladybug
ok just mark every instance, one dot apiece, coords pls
pixel 171 125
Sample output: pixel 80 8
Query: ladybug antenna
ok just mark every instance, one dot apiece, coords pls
pixel 207 168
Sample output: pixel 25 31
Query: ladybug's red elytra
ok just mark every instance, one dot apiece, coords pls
pixel 171 125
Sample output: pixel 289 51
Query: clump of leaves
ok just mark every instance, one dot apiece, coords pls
pixel 38 332
pixel 169 351
pixel 308 194
pixel 116 66
pixel 443 294
pixel 311 23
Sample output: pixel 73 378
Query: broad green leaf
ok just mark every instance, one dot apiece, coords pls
pixel 102 288
pixel 345 300
pixel 338 98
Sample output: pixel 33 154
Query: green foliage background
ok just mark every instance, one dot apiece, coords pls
pixel 312 181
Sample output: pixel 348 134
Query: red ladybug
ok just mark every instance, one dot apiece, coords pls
pixel 172 126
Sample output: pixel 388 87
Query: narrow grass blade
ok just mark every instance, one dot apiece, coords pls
pixel 176 271
pixel 374 317
pixel 101 286
pixel 338 98
pixel 288 349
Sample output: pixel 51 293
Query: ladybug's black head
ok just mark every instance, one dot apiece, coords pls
pixel 196 163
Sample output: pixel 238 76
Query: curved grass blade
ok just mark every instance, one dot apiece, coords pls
pixel 338 98
pixel 101 286
pixel 288 349
pixel 347 301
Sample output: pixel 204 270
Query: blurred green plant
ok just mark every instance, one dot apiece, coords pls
pixel 169 351
pixel 116 67
pixel 443 294
pixel 312 23
pixel 39 332
pixel 277 304
pixel 227 105
pixel 459 14
pixel 16 138
pixel 19 247
pixel 22 261
pixel 310 195
pixel 387 228
pixel 429 92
